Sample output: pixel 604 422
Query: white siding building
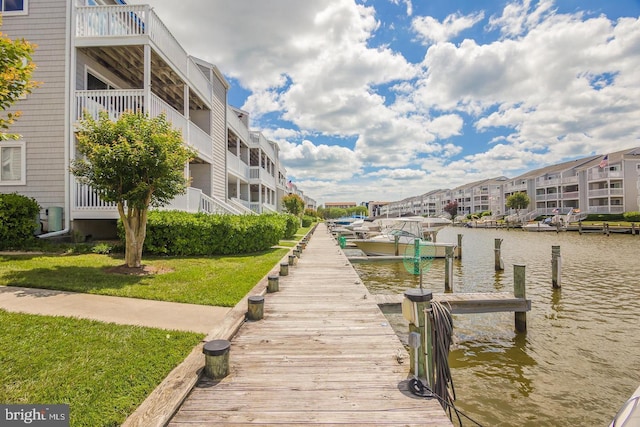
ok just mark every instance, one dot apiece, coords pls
pixel 95 55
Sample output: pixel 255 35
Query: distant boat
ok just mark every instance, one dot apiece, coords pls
pixel 539 226
pixel 400 237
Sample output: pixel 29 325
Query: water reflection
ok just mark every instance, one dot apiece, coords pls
pixel 578 362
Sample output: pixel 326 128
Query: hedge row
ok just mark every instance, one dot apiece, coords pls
pixel 17 220
pixel 182 233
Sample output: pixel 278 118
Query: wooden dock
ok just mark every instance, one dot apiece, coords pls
pixel 323 354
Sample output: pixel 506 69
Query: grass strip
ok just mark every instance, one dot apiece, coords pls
pixel 103 371
pixel 219 281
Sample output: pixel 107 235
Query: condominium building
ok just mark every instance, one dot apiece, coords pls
pixel 104 55
pixel 607 184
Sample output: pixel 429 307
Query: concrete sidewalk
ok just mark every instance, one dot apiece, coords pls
pixel 125 311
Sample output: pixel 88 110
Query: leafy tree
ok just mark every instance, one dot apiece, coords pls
pixel 311 212
pixel 358 210
pixel 16 69
pixel 136 162
pixel 293 204
pixel 451 208
pixel 518 201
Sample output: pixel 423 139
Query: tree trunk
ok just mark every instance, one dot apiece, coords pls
pixel 135 225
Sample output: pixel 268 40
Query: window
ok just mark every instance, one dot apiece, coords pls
pixel 13 7
pixel 97 82
pixel 12 163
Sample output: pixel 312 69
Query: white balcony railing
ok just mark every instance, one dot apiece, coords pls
pixel 136 21
pixel 116 102
pixel 604 175
pixel 606 209
pixel 237 166
pixel 571 195
pixel 604 192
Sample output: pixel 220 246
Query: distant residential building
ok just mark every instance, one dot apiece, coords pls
pixel 605 183
pixel 341 205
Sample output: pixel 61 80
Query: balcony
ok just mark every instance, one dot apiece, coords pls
pixel 606 209
pixel 570 195
pixel 259 175
pixel 542 182
pixel 593 176
pixel 136 25
pixel 116 102
pixel 604 192
pixel 237 167
pixel 87 204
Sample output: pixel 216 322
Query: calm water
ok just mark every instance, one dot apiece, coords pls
pixel 578 362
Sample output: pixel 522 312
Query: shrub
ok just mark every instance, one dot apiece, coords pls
pixel 292 225
pixel 633 216
pixel 307 221
pixel 18 223
pixel 605 217
pixel 187 234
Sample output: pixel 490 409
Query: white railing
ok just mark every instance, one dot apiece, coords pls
pixel 213 206
pixel 544 182
pixel 606 209
pixel 238 126
pixel 114 102
pixel 570 179
pixel 571 195
pixel 237 166
pixel 603 192
pixel 201 141
pixel 136 21
pixel 159 106
pixel 604 175
pixel 85 197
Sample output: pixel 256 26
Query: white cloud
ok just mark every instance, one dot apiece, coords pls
pixel 551 87
pixel 430 30
pixel 319 162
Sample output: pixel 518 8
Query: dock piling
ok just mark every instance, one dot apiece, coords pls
pixel 216 359
pixel 448 269
pixel 273 284
pixel 556 267
pixel 499 263
pixel 414 305
pixel 255 307
pixel 284 269
pixel 519 291
pixel 459 246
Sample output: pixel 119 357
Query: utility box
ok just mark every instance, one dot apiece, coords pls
pixel 54 218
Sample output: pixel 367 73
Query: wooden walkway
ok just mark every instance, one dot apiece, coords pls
pixel 323 354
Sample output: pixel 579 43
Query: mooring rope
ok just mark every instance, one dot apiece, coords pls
pixel 443 388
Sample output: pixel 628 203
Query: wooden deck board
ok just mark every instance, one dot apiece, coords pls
pixel 323 354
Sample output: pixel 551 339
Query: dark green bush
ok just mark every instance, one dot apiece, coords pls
pixel 633 216
pixel 182 233
pixel 293 223
pixel 605 217
pixel 17 220
pixel 307 221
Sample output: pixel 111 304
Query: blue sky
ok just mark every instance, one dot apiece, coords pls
pixel 387 99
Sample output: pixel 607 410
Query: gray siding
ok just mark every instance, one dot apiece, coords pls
pixel 219 133
pixel 42 124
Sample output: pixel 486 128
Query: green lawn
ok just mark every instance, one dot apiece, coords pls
pixel 102 370
pixel 221 281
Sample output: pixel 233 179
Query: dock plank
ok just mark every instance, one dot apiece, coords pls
pixel 323 354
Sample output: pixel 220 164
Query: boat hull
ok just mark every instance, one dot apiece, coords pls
pixel 378 248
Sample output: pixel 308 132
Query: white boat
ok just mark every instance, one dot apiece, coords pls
pixel 399 239
pixel 539 226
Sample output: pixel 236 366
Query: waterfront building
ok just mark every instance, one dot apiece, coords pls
pixel 598 184
pixel 341 205
pixel 98 55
